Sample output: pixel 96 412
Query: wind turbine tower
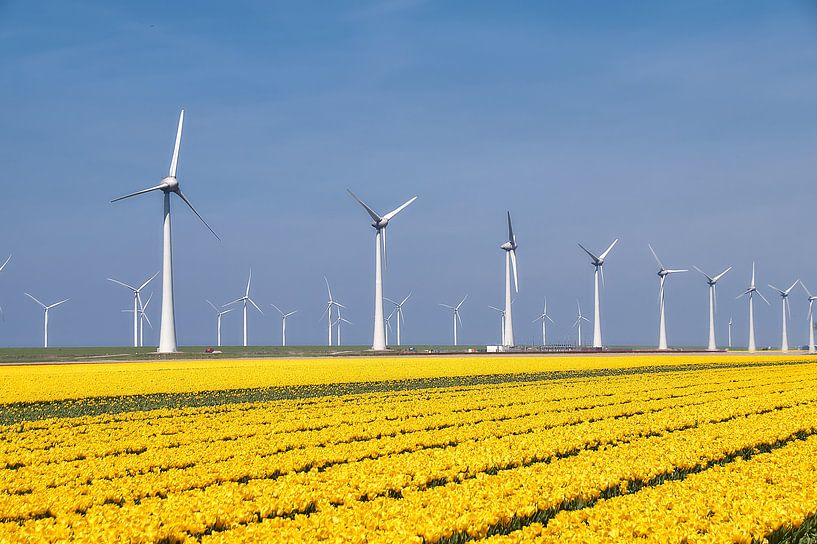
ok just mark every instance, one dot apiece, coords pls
pixel 169 185
pixel 811 299
pixel 45 319
pixel 379 223
pixel 784 296
pixel 663 272
pixel 510 262
pixel 750 291
pixel 598 264
pixel 712 281
pixel 244 300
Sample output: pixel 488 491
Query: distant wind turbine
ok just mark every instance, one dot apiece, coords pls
pixel 598 264
pixel 284 316
pixel 136 303
pixel 501 324
pixel 784 297
pixel 45 311
pixel 730 332
pixel 219 314
pixel 398 307
pixel 379 223
pixel 142 318
pixel 455 315
pixel 578 323
pixel 339 321
pixel 168 185
pixel 510 262
pixel 811 299
pixel 750 291
pixel 244 300
pixel 663 272
pixel 712 281
pixel 543 317
pixel 330 305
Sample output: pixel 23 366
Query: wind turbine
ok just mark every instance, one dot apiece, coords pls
pixel 543 317
pixel 136 304
pixel 399 309
pixel 142 318
pixel 501 323
pixel 510 261
pixel 784 296
pixel 45 309
pixel 339 321
pixel 219 313
pixel 811 300
pixel 663 272
pixel 168 185
pixel 330 304
pixel 598 264
pixel 711 281
pixel 456 315
pixel 578 322
pixel 751 290
pixel 730 332
pixel 379 223
pixel 244 300
pixel 284 316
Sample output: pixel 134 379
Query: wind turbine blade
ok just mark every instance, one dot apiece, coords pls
pixel 405 299
pixel 764 298
pixel 328 289
pixel 58 303
pixel 346 321
pixel 707 276
pixel 174 162
pixel 676 270
pixel 743 294
pixel 148 320
pixel 123 284
pixel 291 313
pixel 803 285
pixel 656 257
pixel 595 259
pixel 145 307
pixel 213 306
pixel 607 251
pixel 511 238
pixel 390 315
pixel 181 195
pixel 515 276
pixel 446 306
pixel 277 308
pixel 251 301
pixel 149 280
pixel 781 291
pixel 383 241
pixel 137 193
pixel 753 273
pixel 458 318
pixel 462 301
pixel 576 323
pixel 586 319
pixel 230 310
pixel 549 319
pixel 497 309
pixel 5 263
pixel 34 299
pixel 339 305
pixel 601 271
pixel 387 299
pixel 233 302
pixel 399 209
pixel 722 274
pixel 792 286
pixel 249 279
pixel 376 218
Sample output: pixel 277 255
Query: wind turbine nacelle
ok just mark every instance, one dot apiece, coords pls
pixel 170 183
pixel 507 246
pixel 380 224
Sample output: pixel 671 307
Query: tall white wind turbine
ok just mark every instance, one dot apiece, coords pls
pixel 398 307
pixel 543 317
pixel 455 315
pixel 501 324
pixel 284 316
pixel 578 323
pixel 45 320
pixel 168 185
pixel 598 265
pixel 811 299
pixel 730 332
pixel 136 303
pixel 510 262
pixel 219 314
pixel 712 281
pixel 663 272
pixel 244 300
pixel 379 223
pixel 784 296
pixel 331 305
pixel 143 316
pixel 750 291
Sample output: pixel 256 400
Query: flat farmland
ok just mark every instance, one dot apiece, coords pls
pixel 675 448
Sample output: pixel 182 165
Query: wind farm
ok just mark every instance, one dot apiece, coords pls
pixel 304 384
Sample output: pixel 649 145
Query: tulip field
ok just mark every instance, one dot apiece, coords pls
pixel 423 449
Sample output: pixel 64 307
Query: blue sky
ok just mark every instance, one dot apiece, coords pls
pixel 690 125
